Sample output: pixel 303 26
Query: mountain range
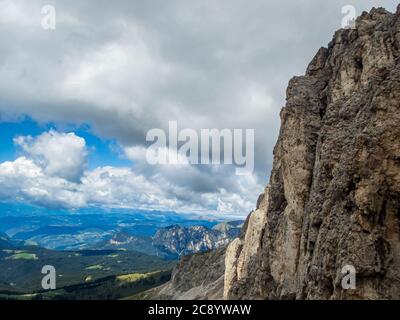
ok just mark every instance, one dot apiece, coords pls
pixel 175 241
pixel 99 256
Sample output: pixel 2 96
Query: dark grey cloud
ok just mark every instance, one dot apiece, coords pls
pixel 125 67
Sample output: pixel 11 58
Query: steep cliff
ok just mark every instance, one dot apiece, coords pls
pixel 241 252
pixel 334 193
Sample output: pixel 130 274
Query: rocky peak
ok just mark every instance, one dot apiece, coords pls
pixel 333 196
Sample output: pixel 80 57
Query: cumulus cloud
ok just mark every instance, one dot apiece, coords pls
pixel 214 187
pixel 44 175
pixel 59 154
pixel 24 180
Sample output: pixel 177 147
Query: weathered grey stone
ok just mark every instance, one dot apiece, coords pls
pixel 196 277
pixel 241 252
pixel 334 196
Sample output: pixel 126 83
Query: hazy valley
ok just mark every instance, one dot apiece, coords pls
pixel 95 251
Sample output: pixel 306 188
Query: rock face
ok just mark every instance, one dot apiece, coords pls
pixel 242 251
pixel 334 193
pixel 196 277
pixel 231 229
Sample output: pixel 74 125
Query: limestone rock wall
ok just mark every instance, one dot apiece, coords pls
pixel 334 192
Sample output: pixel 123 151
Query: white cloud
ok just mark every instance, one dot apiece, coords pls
pixel 59 154
pixel 24 180
pixel 122 187
pixel 18 13
pixel 118 74
pixel 43 176
pixel 212 188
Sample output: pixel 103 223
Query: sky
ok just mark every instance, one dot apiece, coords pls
pixel 77 101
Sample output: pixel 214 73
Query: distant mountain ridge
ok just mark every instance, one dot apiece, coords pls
pixel 180 241
pixel 60 230
pixel 175 241
pixel 5 241
pixel 122 240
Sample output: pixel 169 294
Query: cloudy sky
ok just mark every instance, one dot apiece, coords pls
pixel 76 102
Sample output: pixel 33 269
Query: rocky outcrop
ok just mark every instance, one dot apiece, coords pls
pixel 334 192
pixel 241 252
pixel 196 277
pixel 231 229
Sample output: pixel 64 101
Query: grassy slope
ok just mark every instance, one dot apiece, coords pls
pixel 21 267
pixel 109 288
pixel 145 294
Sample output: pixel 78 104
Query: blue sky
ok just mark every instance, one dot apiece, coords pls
pixel 102 152
pixel 9 130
